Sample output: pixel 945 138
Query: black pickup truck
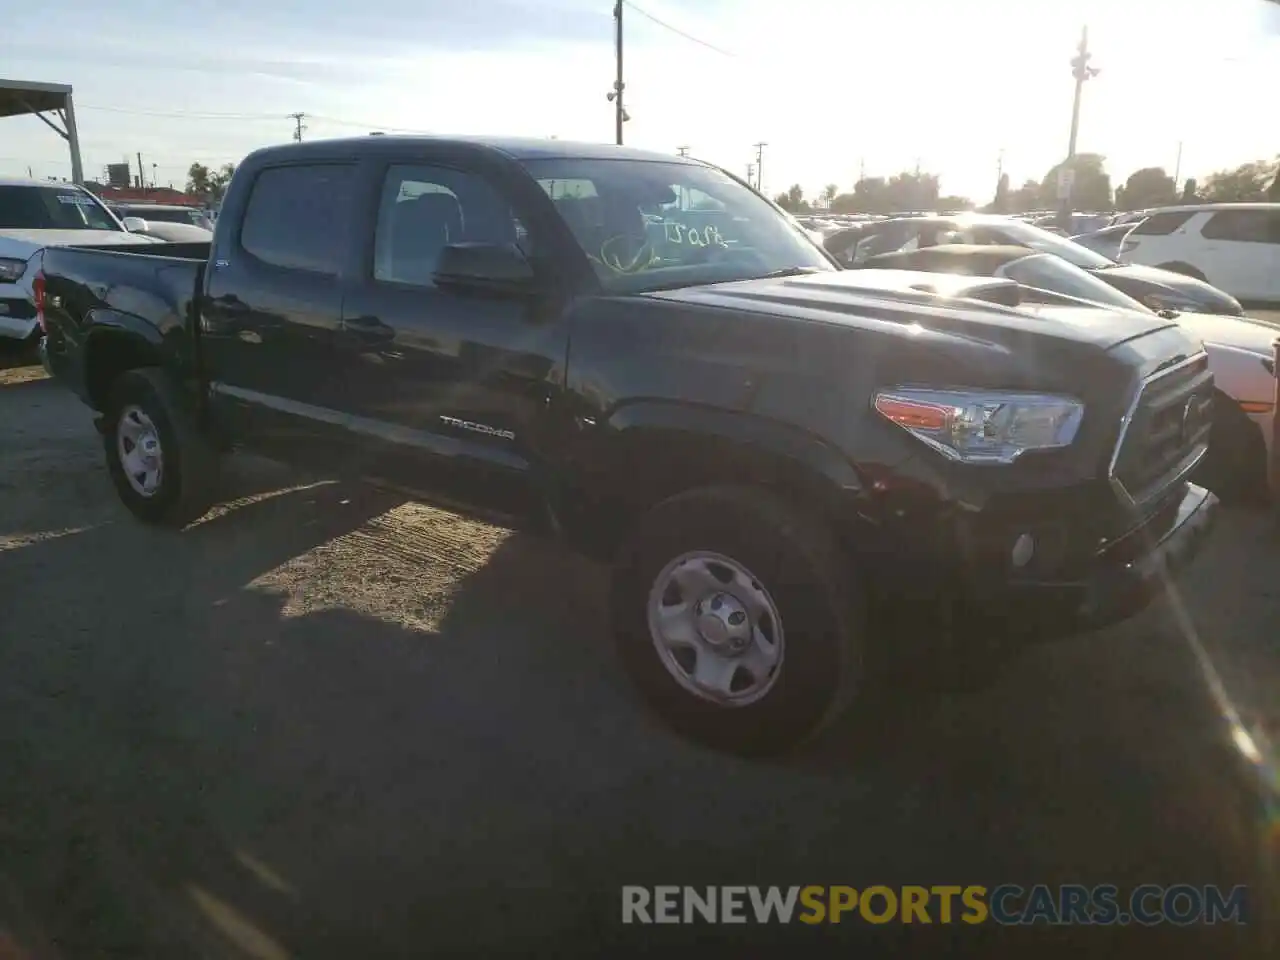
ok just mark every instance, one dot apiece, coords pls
pixel 642 355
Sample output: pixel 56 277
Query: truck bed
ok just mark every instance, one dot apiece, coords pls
pixel 148 291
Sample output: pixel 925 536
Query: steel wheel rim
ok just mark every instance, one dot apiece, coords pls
pixel 139 451
pixel 716 629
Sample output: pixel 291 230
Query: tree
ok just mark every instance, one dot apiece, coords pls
pixel 1025 198
pixel 1247 182
pixel 1122 199
pixel 793 200
pixel 1001 202
pixel 219 181
pixel 1273 191
pixel 198 184
pixel 209 185
pixel 913 191
pixel 1092 189
pixel 829 194
pixel 1148 187
pixel 954 204
pixel 1189 191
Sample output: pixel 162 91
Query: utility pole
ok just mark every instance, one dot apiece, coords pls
pixel 142 177
pixel 1177 172
pixel 298 127
pixel 751 174
pixel 619 114
pixel 862 169
pixel 1081 71
pixel 760 166
pixel 999 165
pixel 682 151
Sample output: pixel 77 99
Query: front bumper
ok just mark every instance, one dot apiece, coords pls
pixel 1118 590
pixel 982 601
pixel 1122 581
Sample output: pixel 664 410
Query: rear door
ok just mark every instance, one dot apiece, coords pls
pixel 1242 252
pixel 449 389
pixel 273 306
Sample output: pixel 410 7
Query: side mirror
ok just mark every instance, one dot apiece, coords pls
pixel 498 268
pixel 135 224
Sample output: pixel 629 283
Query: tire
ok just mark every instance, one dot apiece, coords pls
pixel 186 478
pixel 1235 468
pixel 1186 269
pixel 816 621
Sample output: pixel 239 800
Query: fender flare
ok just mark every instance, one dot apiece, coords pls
pixel 645 419
pixel 122 335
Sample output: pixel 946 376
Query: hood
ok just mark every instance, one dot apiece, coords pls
pixel 882 299
pixel 1137 281
pixel 23 243
pixel 1250 335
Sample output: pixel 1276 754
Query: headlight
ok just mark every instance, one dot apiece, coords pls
pixel 982 426
pixel 11 270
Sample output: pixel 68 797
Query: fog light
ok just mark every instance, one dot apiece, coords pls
pixel 1024 548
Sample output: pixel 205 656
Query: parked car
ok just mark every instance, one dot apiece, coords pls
pixel 1105 242
pixel 1158 289
pixel 171 232
pixel 1234 246
pixel 35 214
pixel 1130 217
pixel 769 457
pixel 1241 354
pixel 164 213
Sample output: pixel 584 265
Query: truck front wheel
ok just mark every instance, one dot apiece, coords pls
pixel 162 466
pixel 739 619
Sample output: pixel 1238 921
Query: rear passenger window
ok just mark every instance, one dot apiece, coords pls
pixel 423 209
pixel 1246 226
pixel 298 217
pixel 1162 224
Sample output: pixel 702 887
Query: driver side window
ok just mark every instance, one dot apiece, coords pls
pixel 423 209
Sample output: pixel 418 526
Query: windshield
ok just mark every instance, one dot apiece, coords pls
pixel 169 215
pixel 52 208
pixel 647 225
pixel 1051 273
pixel 1026 235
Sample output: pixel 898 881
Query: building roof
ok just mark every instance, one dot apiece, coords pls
pixel 20 97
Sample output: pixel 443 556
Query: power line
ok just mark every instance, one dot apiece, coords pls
pixel 676 30
pixel 184 115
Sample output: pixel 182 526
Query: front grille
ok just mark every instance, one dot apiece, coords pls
pixel 1165 432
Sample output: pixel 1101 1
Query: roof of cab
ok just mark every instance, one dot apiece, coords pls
pixel 516 148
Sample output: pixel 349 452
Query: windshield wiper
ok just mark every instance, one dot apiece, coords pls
pixel 788 272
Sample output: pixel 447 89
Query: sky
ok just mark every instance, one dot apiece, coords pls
pixel 834 87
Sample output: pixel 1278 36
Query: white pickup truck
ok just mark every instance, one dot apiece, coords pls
pixel 35 214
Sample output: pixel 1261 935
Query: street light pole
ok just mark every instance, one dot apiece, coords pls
pixel 618 114
pixel 1081 70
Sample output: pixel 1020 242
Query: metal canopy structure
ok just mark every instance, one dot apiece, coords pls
pixel 21 97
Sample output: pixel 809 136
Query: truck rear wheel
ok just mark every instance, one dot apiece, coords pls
pixel 739 619
pixel 162 466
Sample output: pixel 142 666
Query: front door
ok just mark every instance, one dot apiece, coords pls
pixel 273 309
pixel 449 389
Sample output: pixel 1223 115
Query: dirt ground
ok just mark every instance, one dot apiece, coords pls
pixel 327 722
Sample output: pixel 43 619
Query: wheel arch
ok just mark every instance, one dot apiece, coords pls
pixel 116 342
pixel 656 450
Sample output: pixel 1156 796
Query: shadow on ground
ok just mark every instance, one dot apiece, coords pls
pixel 197 764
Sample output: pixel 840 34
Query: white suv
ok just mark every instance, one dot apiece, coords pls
pixel 1234 246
